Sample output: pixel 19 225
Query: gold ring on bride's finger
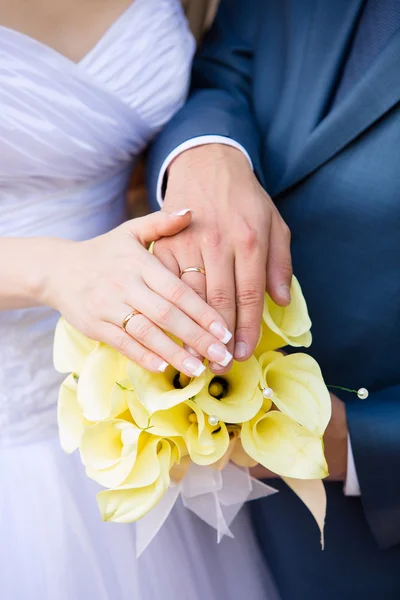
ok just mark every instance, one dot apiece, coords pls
pixel 193 270
pixel 128 318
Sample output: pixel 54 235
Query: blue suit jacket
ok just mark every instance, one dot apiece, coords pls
pixel 265 77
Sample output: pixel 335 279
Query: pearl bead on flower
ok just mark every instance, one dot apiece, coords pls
pixel 268 392
pixel 213 420
pixel 363 393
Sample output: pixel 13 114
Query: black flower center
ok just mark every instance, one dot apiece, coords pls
pixel 218 388
pixel 178 383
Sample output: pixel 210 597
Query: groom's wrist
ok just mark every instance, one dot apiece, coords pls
pixel 335 441
pixel 204 140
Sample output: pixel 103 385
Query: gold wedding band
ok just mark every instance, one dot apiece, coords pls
pixel 128 318
pixel 193 270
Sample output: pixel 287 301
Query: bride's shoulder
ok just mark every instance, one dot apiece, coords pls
pixel 200 14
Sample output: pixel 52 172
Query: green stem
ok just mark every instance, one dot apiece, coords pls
pixel 338 387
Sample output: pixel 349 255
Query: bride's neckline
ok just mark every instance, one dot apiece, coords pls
pixel 89 53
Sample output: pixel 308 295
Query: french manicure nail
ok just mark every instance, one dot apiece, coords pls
pixel 285 292
pixel 240 350
pixel 194 366
pixel 220 332
pixel 160 365
pixel 219 354
pixel 181 213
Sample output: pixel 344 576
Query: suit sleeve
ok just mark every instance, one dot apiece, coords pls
pixel 374 426
pixel 220 99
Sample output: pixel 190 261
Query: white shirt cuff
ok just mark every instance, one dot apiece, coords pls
pixel 351 486
pixel 198 141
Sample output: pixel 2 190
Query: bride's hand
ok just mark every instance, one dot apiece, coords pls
pixel 96 284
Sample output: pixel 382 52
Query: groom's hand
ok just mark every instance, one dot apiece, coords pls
pixel 335 440
pixel 237 236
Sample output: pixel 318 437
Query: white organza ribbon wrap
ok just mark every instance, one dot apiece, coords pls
pixel 214 496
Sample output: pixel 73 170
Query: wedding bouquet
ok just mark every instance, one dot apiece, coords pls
pixel 149 438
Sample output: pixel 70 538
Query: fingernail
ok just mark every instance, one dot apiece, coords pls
pixel 285 292
pixel 215 368
pixel 220 332
pixel 219 354
pixel 193 352
pixel 240 350
pixel 160 365
pixel 194 366
pixel 181 213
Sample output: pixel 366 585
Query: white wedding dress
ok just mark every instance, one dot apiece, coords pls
pixel 69 135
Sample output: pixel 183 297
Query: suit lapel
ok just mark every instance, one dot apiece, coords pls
pixel 330 31
pixel 376 93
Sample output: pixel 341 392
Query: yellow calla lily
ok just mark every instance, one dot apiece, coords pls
pixel 312 493
pixel 103 368
pixel 206 443
pixel 109 450
pixel 71 422
pixel 172 422
pixel 234 397
pixel 131 504
pixel 267 341
pixel 145 487
pixel 71 348
pixel 160 391
pixel 124 398
pixel 285 326
pixel 298 389
pixel 179 450
pixel 147 466
pixel 284 447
